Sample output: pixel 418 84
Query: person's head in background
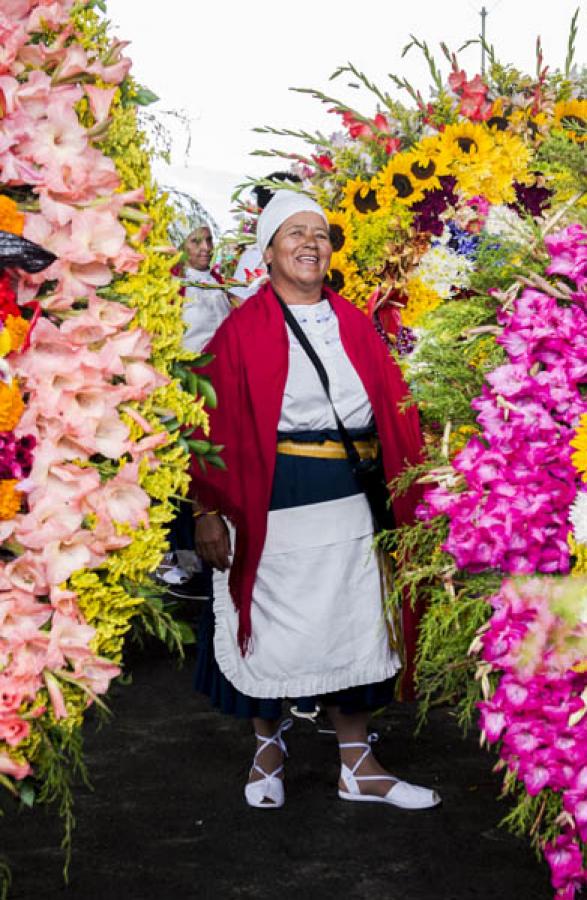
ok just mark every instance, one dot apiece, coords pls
pixel 198 247
pixel 264 194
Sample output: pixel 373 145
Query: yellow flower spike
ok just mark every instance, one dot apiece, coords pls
pixel 422 299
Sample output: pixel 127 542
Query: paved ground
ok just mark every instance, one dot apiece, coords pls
pixel 167 819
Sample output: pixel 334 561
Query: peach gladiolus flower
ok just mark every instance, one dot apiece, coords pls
pixel 96 673
pixel 55 695
pixel 48 520
pixel 63 558
pixel 68 640
pixel 121 499
pixel 100 101
pixel 27 572
pixel 9 766
pixel 59 138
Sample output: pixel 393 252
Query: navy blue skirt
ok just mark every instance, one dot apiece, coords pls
pixel 298 481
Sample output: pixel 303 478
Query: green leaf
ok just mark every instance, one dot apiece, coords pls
pixel 216 461
pixel 207 391
pixel 144 97
pixel 191 383
pixel 201 447
pixel 203 360
pixel 27 794
pixel 186 632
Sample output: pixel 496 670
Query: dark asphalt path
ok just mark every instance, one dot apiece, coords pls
pixel 167 819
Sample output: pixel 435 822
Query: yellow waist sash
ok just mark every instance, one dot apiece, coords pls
pixel 328 449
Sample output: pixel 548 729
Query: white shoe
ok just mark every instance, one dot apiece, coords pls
pixel 267 792
pixel 402 794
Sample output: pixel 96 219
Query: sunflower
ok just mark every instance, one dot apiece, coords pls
pixel 429 161
pixel 341 274
pixel 397 183
pixel 571 116
pixel 465 140
pixel 360 197
pixel 341 236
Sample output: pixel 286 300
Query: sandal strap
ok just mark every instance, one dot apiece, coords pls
pixel 265 741
pixel 371 739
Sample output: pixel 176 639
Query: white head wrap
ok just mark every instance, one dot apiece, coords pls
pixel 282 205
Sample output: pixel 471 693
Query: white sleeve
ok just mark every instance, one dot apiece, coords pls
pixel 251 259
pixel 203 312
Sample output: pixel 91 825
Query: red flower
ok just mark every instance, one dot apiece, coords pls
pixel 8 305
pixel 324 161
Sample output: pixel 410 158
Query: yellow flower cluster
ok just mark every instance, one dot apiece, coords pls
pixel 108 608
pixel 422 299
pixel 579 442
pixel 11 405
pixel 11 219
pixel 9 498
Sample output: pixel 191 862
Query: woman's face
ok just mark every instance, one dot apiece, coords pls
pixel 198 247
pixel 300 251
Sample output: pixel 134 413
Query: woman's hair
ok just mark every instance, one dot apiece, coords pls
pixel 264 194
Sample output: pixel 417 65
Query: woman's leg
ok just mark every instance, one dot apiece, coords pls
pixel 268 757
pixel 352 729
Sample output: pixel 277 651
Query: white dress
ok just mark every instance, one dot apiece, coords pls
pixel 317 609
pixel 203 311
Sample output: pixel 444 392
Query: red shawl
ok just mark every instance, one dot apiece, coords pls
pixel 249 372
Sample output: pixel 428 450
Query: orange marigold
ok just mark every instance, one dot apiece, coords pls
pixel 11 219
pixel 18 329
pixel 9 499
pixel 11 406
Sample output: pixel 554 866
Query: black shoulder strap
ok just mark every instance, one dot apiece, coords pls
pixel 350 449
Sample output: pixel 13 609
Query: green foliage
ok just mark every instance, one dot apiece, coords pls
pixel 456 608
pixel 156 617
pixel 534 817
pixel 5 879
pixel 375 233
pixel 442 377
pixel 56 769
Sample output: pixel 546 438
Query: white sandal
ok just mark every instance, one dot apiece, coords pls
pixel 269 787
pixel 402 794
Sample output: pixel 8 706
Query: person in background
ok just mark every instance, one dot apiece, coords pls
pixel 251 260
pixel 204 308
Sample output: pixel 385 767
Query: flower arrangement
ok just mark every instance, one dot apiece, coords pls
pixel 461 221
pixel 96 395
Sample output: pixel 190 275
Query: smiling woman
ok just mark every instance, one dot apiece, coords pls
pixel 298 613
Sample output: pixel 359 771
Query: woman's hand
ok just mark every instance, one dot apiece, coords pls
pixel 212 541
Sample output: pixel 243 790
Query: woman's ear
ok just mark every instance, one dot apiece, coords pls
pixel 268 255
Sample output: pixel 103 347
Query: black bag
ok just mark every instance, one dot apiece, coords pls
pixel 368 472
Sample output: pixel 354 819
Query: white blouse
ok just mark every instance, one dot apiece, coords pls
pixel 305 405
pixel 203 312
